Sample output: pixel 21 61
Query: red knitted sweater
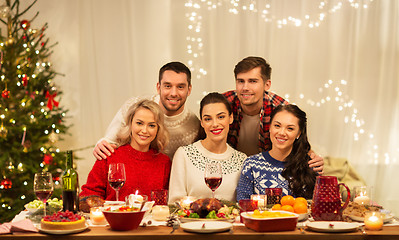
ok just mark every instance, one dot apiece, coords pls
pixel 145 171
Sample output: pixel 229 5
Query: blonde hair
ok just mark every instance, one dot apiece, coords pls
pixel 125 134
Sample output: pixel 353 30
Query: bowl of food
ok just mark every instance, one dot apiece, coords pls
pixel 124 218
pixel 270 221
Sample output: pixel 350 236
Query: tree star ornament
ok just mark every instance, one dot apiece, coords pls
pixel 25 24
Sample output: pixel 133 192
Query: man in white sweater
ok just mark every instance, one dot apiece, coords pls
pixel 173 87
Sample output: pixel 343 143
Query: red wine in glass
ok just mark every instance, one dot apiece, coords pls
pixel 116 177
pixel 43 187
pixel 213 176
pixel 117 184
pixel 43 195
pixel 213 182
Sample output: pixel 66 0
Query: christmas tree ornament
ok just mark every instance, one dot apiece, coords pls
pixel 5 94
pixel 3 131
pixel 6 183
pixel 51 101
pixel 53 137
pixel 27 144
pixel 25 24
pixel 25 80
pixel 5 11
pixel 10 41
pixel 47 159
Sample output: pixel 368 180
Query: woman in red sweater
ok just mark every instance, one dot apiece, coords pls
pixel 141 141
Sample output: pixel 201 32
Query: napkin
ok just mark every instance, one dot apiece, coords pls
pixel 25 225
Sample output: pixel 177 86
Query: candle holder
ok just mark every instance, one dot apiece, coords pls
pixel 362 195
pixel 160 212
pixel 262 201
pixel 273 196
pixel 373 220
pixel 97 216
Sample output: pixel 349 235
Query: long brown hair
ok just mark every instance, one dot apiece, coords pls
pixel 301 178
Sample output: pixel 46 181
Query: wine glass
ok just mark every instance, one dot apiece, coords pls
pixel 116 177
pixel 43 187
pixel 213 176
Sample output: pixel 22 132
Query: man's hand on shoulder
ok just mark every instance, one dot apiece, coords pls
pixel 316 162
pixel 103 149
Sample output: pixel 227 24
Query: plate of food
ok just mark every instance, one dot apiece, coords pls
pixel 36 205
pixel 356 212
pixel 208 209
pixel 62 232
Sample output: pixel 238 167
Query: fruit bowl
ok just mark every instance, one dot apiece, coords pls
pixel 123 221
pixel 270 224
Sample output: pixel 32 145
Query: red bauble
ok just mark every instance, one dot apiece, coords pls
pixel 25 24
pixel 47 159
pixel 6 183
pixel 5 94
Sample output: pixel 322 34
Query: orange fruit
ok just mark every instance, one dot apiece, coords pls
pixel 276 207
pixel 302 200
pixel 287 208
pixel 300 207
pixel 287 200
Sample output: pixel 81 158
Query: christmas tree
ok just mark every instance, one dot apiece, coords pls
pixel 31 118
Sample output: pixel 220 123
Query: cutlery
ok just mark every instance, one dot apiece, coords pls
pixel 175 226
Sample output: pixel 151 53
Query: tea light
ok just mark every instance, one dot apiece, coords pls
pixel 135 200
pixel 261 200
pixel 160 212
pixel 363 200
pixel 97 216
pixel 186 201
pixel 373 221
pixel 362 195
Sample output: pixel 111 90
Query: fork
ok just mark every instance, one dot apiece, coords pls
pixel 175 226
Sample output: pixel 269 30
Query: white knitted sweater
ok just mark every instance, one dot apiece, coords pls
pixel 183 128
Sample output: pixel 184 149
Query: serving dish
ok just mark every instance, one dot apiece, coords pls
pixel 287 223
pixel 123 221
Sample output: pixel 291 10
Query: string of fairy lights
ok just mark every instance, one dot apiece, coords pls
pixel 333 91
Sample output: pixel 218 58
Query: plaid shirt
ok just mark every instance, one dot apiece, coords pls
pixel 270 101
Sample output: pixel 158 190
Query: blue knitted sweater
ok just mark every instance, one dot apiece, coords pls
pixel 261 171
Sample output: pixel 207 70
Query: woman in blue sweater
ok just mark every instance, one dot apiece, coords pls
pixel 285 165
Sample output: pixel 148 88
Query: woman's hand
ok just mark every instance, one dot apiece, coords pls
pixel 316 162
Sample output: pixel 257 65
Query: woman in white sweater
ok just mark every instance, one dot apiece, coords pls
pixel 187 175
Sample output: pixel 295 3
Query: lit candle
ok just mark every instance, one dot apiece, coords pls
pixel 135 200
pixel 362 199
pixel 186 201
pixel 97 216
pixel 160 212
pixel 261 200
pixel 373 221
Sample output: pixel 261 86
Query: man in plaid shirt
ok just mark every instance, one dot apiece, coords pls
pixel 252 105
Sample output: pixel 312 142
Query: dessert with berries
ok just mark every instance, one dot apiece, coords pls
pixel 63 221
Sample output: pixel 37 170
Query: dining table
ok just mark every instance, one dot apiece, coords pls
pixel 238 232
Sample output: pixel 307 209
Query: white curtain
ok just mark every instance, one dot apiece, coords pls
pixel 338 60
